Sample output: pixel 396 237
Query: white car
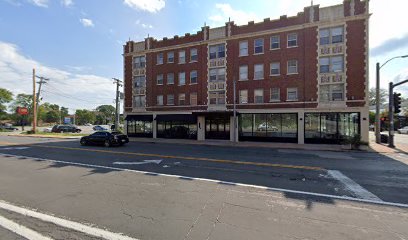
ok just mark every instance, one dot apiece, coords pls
pixel 48 129
pixel 403 130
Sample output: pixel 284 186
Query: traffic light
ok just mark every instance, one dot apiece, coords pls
pixel 397 103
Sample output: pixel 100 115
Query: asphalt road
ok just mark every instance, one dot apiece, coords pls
pixel 174 191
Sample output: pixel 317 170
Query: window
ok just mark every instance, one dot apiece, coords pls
pixel 324 36
pixel 160 79
pixel 170 57
pixel 217 51
pixel 243 72
pixel 259 45
pixel 193 77
pixel 292 40
pixel 275 42
pixel 258 95
pixel 170 78
pixel 243 96
pixel 217 98
pixel 217 74
pixel 182 79
pixel 292 94
pixel 275 95
pixel 140 101
pixel 337 35
pixel 139 62
pixel 159 100
pixel 182 57
pixel 243 48
pixel 139 81
pixel 292 67
pixel 275 69
pixel 333 92
pixel 258 71
pixel 331 64
pixel 160 58
pixel 182 99
pixel 170 99
pixel 193 55
pixel 193 98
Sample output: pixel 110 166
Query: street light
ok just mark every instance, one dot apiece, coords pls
pixel 377 98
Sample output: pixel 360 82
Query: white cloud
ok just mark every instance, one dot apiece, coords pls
pixel 40 3
pixel 143 25
pixel 67 3
pixel 87 22
pixel 65 88
pixel 225 11
pixel 146 5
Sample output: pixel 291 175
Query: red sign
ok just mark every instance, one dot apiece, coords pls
pixel 22 110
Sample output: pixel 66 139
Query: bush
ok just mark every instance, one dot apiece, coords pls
pixel 354 141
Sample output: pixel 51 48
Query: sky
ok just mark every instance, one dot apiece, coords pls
pixel 78 44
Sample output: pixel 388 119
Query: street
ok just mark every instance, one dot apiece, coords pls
pixel 174 191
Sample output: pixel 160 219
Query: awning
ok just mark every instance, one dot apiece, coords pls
pixel 148 118
pixel 188 118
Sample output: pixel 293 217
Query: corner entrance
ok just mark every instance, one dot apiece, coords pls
pixel 217 127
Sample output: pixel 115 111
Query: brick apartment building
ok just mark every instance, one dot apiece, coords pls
pixel 301 79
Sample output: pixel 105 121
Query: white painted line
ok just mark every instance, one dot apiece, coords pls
pixel 139 163
pixel 14 148
pixel 352 186
pixel 21 230
pixel 231 183
pixel 97 232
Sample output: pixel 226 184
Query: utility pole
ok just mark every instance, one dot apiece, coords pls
pixel 34 105
pixel 118 84
pixel 42 80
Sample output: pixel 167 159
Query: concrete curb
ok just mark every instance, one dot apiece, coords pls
pixel 45 136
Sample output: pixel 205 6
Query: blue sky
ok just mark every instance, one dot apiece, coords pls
pixel 78 44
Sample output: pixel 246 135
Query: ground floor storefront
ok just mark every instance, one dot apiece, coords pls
pixel 301 126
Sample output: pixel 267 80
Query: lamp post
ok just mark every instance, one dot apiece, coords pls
pixel 377 99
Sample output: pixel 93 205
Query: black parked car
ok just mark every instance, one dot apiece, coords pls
pixel 105 138
pixel 65 128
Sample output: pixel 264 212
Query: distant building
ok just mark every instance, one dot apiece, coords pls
pixel 301 79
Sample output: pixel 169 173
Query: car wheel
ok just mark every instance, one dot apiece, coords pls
pixel 83 142
pixel 107 143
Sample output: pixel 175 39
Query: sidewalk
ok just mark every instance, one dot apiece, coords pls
pixel 383 147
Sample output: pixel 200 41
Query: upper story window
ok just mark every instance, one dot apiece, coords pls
pixel 292 94
pixel 160 79
pixel 258 71
pixel 292 67
pixel 243 48
pixel 331 35
pixel 160 58
pixel 258 96
pixel 159 101
pixel 139 81
pixel 140 101
pixel 139 62
pixel 182 79
pixel 170 57
pixel 217 74
pixel 182 99
pixel 193 77
pixel 193 98
pixel 275 69
pixel 243 96
pixel 182 57
pixel 217 51
pixel 258 46
pixel 292 40
pixel 243 72
pixel 275 95
pixel 332 92
pixel 193 55
pixel 331 64
pixel 170 78
pixel 275 42
pixel 170 99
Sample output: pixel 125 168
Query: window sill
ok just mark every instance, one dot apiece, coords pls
pixel 193 83
pixel 159 64
pixel 274 101
pixel 159 84
pixel 193 61
pixel 170 104
pixel 182 63
pixel 291 100
pixel 242 80
pixel 170 83
pixel 258 79
pixel 292 46
pixel 170 62
pixel 274 75
pixel 274 49
pixel 288 74
pixel 180 85
pixel 259 103
pixel 243 55
pixel 257 54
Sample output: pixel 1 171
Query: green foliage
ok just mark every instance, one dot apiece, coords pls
pixel 354 141
pixel 5 97
pixel 107 112
pixel 371 117
pixel 52 116
pixel 372 98
pixel 84 116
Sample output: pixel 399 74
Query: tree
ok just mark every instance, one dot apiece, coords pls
pixel 5 97
pixel 371 117
pixel 383 96
pixel 84 116
pixel 22 100
pixel 52 116
pixel 107 111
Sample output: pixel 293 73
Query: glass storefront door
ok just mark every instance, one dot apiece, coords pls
pixel 217 127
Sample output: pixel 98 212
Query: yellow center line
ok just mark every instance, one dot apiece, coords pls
pixel 188 158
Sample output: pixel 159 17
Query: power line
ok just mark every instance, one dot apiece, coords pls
pixel 62 92
pixel 72 98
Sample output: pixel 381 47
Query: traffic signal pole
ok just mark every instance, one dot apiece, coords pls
pixel 391 109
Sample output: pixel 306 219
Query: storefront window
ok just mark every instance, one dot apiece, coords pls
pixel 289 125
pixel 312 125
